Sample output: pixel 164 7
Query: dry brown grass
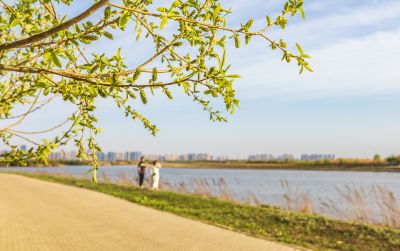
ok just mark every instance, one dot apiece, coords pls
pixel 105 178
pixel 388 205
pixel 252 199
pixel 208 188
pixel 294 200
pixel 374 205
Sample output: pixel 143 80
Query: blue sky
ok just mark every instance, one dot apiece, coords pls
pixel 348 106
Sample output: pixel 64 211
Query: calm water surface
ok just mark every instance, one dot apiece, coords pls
pixel 264 184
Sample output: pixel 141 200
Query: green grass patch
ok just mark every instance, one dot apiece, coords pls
pixel 309 231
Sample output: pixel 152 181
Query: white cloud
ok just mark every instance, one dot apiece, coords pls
pixel 360 66
pixel 346 22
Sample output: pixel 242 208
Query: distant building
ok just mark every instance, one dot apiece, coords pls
pixel 221 158
pixel 171 157
pixel 66 155
pixel 152 157
pixel 191 156
pixel 285 157
pixel 203 156
pixel 73 155
pixel 101 156
pixel 316 157
pixel 54 156
pixel 135 156
pixel 63 155
pixel 111 156
pixel 120 156
pixel 184 157
pixel 269 157
pixel 261 157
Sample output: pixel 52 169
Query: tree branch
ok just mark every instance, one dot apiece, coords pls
pixel 84 78
pixel 61 27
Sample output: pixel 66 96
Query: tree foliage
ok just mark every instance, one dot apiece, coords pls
pixel 42 56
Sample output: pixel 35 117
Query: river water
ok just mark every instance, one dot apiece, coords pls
pixel 268 186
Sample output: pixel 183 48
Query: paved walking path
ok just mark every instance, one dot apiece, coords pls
pixel 39 215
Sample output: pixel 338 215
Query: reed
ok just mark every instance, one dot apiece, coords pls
pixel 294 200
pixel 124 180
pixel 376 205
pixel 389 207
pixel 373 205
pixel 105 178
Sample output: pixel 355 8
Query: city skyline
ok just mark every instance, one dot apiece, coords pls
pixel 136 155
pixel 191 155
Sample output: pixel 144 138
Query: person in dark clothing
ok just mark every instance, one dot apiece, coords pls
pixel 141 169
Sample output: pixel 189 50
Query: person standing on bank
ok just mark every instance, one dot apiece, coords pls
pixel 141 169
pixel 155 174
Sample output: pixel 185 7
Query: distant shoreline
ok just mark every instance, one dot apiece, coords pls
pixel 273 166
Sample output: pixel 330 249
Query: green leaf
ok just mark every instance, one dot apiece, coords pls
pixel 46 91
pixel 269 21
pixel 249 24
pixel 55 59
pixel 303 16
pixel 308 67
pixel 168 93
pixel 162 9
pixel 299 49
pixel 176 3
pixel 301 69
pixel 154 75
pixel 223 60
pixel 102 93
pixel 90 37
pixel 136 75
pixel 84 156
pixel 41 84
pixel 94 68
pixel 123 19
pixel 233 76
pixel 237 40
pixel 14 22
pixel 185 87
pixel 143 96
pixel 177 44
pixel 247 38
pixel 164 22
pixel 216 12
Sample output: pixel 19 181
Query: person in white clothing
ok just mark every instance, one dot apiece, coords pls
pixel 155 174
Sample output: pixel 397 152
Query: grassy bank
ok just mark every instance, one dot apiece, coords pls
pixel 270 223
